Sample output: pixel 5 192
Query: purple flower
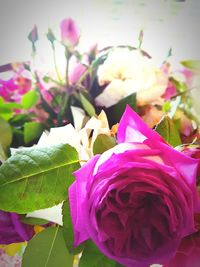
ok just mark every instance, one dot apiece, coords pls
pixel 12 230
pixel 69 32
pixel 136 201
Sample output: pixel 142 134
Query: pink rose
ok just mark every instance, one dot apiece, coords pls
pixel 69 32
pixel 136 201
pixel 194 152
pixel 188 254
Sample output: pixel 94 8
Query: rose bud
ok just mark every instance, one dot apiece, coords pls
pixel 69 32
pixel 33 35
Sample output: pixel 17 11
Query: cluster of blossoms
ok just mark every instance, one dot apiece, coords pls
pixel 104 77
pixel 126 71
pixel 14 88
pixel 137 199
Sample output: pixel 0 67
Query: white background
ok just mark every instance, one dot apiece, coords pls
pixel 166 24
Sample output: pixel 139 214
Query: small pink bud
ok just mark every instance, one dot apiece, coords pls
pixel 69 32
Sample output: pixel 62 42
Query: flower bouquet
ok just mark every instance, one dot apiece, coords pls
pixel 99 166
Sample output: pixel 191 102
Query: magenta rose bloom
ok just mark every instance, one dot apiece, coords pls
pixel 137 200
pixel 194 152
pixel 188 254
pixel 12 230
pixel 69 32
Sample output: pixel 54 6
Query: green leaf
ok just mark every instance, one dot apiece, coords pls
pixel 6 109
pixel 13 105
pixel 68 231
pixel 47 249
pixel 1 100
pixel 193 65
pixel 37 178
pixel 92 257
pixel 5 135
pixel 46 79
pixel 29 99
pixel 32 130
pixel 88 107
pixel 98 61
pixel 3 155
pixel 102 143
pixel 57 100
pixel 180 86
pixel 33 221
pixel 5 112
pixel 20 119
pixel 27 66
pixel 166 107
pixel 116 111
pixel 167 129
pixel 18 137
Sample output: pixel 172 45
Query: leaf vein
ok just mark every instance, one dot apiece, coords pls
pixel 36 173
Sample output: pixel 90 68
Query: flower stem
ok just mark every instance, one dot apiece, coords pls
pixel 186 92
pixel 55 64
pixel 68 55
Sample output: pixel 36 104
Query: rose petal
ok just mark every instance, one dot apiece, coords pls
pixel 133 129
pixel 77 195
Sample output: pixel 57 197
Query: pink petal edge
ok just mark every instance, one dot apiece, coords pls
pixel 77 196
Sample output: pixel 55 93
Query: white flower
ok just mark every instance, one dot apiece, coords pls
pixel 80 140
pixel 97 126
pixel 128 71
